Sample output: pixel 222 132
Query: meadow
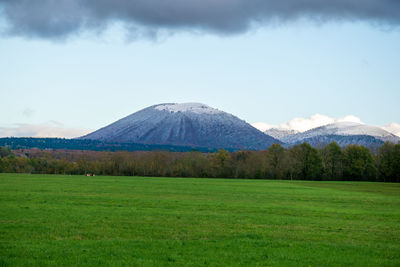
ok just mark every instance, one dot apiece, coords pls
pixel 56 220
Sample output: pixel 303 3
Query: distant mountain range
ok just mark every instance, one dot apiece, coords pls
pixel 344 133
pixel 187 124
pixel 195 126
pixel 198 125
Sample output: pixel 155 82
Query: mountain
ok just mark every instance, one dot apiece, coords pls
pixel 344 133
pixel 279 133
pixel 187 124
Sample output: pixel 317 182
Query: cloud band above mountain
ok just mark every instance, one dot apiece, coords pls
pixel 304 124
pixel 49 129
pixel 61 18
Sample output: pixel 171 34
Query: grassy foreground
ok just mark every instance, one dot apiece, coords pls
pixel 48 220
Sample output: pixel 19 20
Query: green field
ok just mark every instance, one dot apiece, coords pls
pixel 49 220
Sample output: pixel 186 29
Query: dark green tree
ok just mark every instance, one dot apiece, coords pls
pixel 5 151
pixel 359 163
pixel 276 161
pixel 241 163
pixel 396 164
pixel 223 164
pixel 385 162
pixel 308 163
pixel 332 161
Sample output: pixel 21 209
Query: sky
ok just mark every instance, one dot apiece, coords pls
pixel 68 67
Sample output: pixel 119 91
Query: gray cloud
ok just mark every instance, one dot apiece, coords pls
pixel 62 18
pixel 28 112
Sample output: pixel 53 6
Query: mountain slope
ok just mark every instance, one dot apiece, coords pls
pixel 343 133
pixel 189 124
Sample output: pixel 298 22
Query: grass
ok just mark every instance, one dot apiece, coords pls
pixel 53 220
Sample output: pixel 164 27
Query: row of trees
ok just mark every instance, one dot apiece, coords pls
pixel 302 162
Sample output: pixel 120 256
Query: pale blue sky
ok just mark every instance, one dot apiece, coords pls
pixel 272 74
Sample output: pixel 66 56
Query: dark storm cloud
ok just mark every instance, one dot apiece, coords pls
pixel 61 18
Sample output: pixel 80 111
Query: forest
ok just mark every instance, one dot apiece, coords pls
pixel 300 162
pixel 81 144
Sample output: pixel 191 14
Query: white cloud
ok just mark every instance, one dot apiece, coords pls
pixel 350 118
pixel 393 128
pixel 49 129
pixel 262 126
pixel 304 124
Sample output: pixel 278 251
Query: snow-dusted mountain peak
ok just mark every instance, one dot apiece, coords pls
pixel 197 108
pixel 187 124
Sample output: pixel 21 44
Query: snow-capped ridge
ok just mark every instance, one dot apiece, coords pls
pixel 352 128
pixel 193 107
pixel 344 129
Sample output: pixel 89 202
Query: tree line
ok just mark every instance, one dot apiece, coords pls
pixel 300 162
pixel 92 145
